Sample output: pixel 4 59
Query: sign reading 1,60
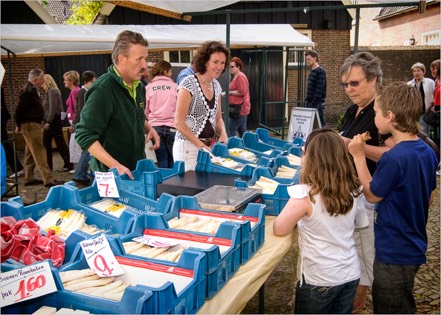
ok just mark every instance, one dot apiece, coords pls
pixel 26 286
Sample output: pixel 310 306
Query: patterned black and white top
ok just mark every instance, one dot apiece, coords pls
pixel 199 112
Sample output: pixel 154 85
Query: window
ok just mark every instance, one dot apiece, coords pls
pixel 298 54
pixel 431 38
pixel 178 56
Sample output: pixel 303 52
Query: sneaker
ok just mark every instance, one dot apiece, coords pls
pixel 19 173
pixel 54 183
pixel 72 172
pixel 34 182
pixel 438 171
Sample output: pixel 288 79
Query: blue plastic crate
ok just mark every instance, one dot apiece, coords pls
pixel 283 160
pixel 276 202
pixel 264 136
pixel 136 300
pixel 136 203
pixel 204 164
pixel 252 222
pixel 259 149
pixel 12 209
pixel 67 197
pixel 219 267
pixel 147 165
pixel 221 149
pixel 168 297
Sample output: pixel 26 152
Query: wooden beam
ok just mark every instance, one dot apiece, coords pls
pixel 150 9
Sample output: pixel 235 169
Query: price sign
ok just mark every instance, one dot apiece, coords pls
pixel 100 257
pixel 106 184
pixel 155 241
pixel 26 283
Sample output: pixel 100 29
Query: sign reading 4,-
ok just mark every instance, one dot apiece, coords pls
pixel 100 257
pixel 26 283
pixel 106 184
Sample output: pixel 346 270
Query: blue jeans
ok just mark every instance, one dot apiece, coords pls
pixel 321 111
pixel 311 299
pixel 392 290
pixel 82 166
pixel 239 125
pixel 164 154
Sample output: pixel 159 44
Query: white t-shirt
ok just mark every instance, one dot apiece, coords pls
pixel 328 256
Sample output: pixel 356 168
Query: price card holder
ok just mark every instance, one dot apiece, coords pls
pixel 106 184
pixel 26 283
pixel 100 257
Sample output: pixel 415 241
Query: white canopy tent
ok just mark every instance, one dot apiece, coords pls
pixel 52 40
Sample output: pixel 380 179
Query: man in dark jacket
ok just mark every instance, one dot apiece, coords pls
pixel 113 127
pixel 29 116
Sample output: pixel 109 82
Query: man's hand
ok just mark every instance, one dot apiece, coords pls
pixel 153 135
pixel 123 170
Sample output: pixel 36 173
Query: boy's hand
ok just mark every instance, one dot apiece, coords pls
pixel 357 146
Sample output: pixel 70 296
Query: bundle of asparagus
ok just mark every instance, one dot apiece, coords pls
pixel 65 222
pixel 110 206
pixel 87 282
pixel 164 253
pixel 294 159
pixel 286 172
pixel 195 223
pixel 243 154
pixel 267 185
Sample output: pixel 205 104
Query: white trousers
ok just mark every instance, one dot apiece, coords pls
pixel 184 150
pixel 364 241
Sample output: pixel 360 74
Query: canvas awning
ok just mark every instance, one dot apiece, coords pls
pixel 52 40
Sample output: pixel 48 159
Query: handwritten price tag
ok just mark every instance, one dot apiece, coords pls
pixel 106 184
pixel 26 283
pixel 100 257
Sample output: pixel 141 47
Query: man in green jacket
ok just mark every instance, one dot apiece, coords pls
pixel 112 126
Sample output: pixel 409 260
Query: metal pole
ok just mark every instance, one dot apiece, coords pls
pixel 357 29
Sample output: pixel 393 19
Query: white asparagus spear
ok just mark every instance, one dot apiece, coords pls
pixel 93 277
pixel 91 283
pixel 75 274
pixel 108 287
pixel 114 296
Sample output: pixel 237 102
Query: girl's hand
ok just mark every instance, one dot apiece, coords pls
pixel 357 146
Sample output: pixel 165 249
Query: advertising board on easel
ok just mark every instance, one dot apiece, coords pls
pixel 302 122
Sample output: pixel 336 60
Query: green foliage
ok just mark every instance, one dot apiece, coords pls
pixel 45 3
pixel 340 120
pixel 84 11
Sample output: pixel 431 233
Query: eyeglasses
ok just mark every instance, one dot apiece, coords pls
pixel 351 83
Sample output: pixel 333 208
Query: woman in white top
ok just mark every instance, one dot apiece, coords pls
pixel 324 208
pixel 198 115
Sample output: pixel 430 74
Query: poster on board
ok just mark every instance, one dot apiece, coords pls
pixel 302 122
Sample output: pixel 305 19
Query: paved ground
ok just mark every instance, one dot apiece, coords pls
pixel 279 288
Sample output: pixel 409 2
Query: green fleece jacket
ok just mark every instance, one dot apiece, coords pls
pixel 111 116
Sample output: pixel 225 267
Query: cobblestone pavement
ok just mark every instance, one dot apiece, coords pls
pixel 279 288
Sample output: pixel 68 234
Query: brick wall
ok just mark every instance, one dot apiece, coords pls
pixel 394 31
pixel 20 68
pixel 333 48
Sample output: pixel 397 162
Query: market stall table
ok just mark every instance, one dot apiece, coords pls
pixel 236 293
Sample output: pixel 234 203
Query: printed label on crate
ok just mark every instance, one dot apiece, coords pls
pixel 26 283
pixel 155 241
pixel 156 267
pixel 100 257
pixel 106 184
pixel 189 237
pixel 221 215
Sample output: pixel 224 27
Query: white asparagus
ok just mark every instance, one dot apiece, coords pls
pixel 75 274
pixel 93 277
pixel 108 287
pixel 119 289
pixel 91 283
pixel 131 248
pixel 114 296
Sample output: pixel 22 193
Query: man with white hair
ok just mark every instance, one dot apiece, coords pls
pixel 426 87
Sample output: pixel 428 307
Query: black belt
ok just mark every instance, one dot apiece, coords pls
pixel 207 141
